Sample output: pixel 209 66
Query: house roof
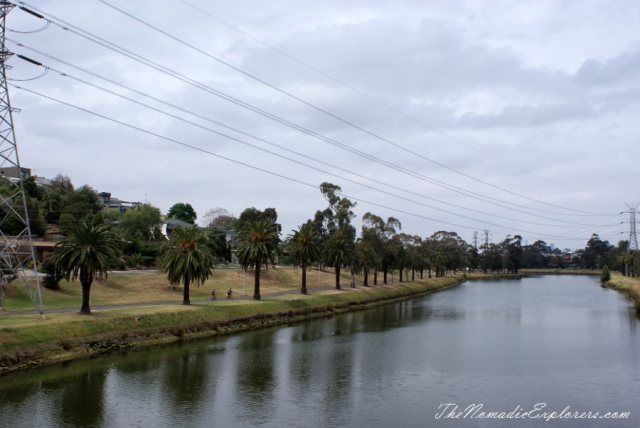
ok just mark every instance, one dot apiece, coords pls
pixel 175 223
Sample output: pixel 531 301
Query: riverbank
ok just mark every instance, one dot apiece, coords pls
pixel 630 287
pixel 560 271
pixel 26 341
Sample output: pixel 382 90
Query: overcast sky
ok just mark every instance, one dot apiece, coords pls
pixel 508 116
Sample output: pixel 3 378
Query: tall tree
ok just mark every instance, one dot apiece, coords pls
pixel 257 244
pixel 512 250
pixel 182 211
pixel 337 252
pixel 85 254
pixel 61 184
pixel 377 234
pixel 253 215
pixel 142 222
pixel 303 248
pixel 219 217
pixel 82 202
pixel 368 260
pixel 188 260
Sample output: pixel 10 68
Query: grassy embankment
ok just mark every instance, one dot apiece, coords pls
pixel 559 271
pixel 27 340
pixel 628 286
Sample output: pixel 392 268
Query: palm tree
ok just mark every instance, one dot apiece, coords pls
pixel 258 243
pixel 189 259
pixel 303 247
pixel 368 260
pixel 84 254
pixel 336 253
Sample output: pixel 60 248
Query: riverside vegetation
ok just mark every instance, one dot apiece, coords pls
pixel 136 239
pixel 27 341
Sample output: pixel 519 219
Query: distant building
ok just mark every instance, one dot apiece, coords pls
pixel 11 174
pixel 15 172
pixel 169 225
pixel 114 203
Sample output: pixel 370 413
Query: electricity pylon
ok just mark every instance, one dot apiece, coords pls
pixel 633 239
pixel 16 243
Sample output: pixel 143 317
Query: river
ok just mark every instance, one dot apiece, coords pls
pixel 506 346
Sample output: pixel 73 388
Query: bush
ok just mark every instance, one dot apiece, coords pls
pixel 135 261
pixel 605 276
pixel 53 276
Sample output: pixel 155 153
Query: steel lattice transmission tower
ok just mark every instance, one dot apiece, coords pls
pixel 16 244
pixel 633 238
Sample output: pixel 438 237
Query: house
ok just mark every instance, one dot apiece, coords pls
pixel 15 172
pixel 111 203
pixel 168 226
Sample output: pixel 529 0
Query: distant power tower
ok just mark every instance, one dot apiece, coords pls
pixel 16 244
pixel 475 239
pixel 486 238
pixel 633 239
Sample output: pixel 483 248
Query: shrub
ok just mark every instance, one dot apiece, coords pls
pixel 605 276
pixel 53 276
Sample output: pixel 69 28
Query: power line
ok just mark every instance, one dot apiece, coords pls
pixel 369 97
pixel 120 50
pixel 286 149
pixel 240 103
pixel 284 92
pixel 137 128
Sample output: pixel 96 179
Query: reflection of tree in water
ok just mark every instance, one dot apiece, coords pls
pixel 256 379
pixel 17 404
pixel 304 363
pixel 184 382
pixel 337 355
pixel 81 399
pixel 399 314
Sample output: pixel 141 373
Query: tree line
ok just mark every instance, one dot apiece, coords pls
pixel 328 239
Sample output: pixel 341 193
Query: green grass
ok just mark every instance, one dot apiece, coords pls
pixel 628 286
pixel 119 289
pixel 568 271
pixel 28 337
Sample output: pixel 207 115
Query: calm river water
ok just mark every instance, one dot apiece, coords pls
pixel 509 345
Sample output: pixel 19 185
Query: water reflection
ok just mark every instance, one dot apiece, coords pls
pixel 564 341
pixel 184 382
pixel 255 376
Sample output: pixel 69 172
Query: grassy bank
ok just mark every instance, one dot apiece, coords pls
pixel 628 286
pixel 120 289
pixel 559 271
pixel 27 341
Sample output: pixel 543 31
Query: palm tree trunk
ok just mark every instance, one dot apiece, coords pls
pixel 375 277
pixel 86 298
pixel 185 295
pixel 303 290
pixel 337 277
pixel 366 277
pixel 413 274
pixel 384 276
pixel 400 274
pixel 256 289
